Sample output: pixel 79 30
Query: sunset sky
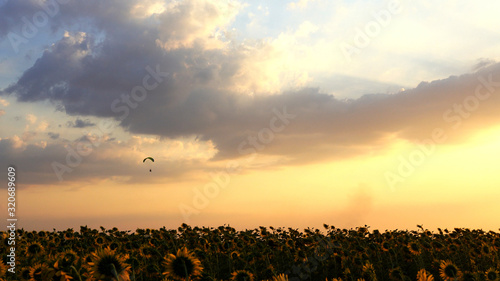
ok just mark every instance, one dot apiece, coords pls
pixel 282 113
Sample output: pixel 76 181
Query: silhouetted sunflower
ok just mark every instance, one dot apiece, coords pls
pixel 424 275
pixel 242 275
pixel 34 248
pixel 107 265
pixel 396 274
pixel 369 272
pixel 100 240
pixel 386 246
pixel 63 264
pixel 184 265
pixel 69 235
pixel 40 272
pixel 449 272
pixel 485 250
pixel 414 248
pixel 492 274
pixel 3 269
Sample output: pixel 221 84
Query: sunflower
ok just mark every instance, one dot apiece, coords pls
pixel 34 248
pixel 107 265
pixel 369 271
pixel 63 264
pixel 424 275
pixel 3 269
pixel 40 272
pixel 69 235
pixel 414 248
pixel 25 273
pixel 235 255
pixel 396 274
pixel 386 246
pixel 485 250
pixel 183 265
pixel 449 272
pixel 491 274
pixel 99 240
pixel 281 277
pixel 242 275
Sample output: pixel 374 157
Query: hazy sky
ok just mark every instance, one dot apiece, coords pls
pixel 296 114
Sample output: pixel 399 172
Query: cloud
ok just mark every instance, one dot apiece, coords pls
pixel 43 126
pixel 81 162
pixel 79 123
pixel 305 29
pixel 2 112
pixel 482 63
pixel 226 93
pixel 53 136
pixel 186 23
pixel 301 4
pixel 31 119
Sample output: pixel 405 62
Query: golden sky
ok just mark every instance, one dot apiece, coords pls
pixel 298 114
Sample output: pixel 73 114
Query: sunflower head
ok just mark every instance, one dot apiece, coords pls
pixel 424 275
pixel 436 245
pixel 69 235
pixel 66 259
pixel 100 240
pixel 281 277
pixel 386 246
pixel 396 274
pixel 491 274
pixel 414 248
pixel 34 248
pixel 3 269
pixel 369 272
pixel 107 265
pixel 449 272
pixel 40 272
pixel 184 265
pixel 243 275
pixel 485 250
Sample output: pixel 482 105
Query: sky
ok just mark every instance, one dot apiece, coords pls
pixel 258 113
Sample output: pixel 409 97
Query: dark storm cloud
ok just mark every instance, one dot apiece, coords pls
pixel 94 74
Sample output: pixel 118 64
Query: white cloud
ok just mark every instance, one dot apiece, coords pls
pixel 186 23
pixel 31 119
pixel 301 4
pixel 43 126
pixel 305 29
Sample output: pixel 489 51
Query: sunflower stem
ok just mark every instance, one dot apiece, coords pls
pixel 77 273
pixel 113 269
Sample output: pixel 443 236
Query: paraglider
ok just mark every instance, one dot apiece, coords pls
pixel 148 158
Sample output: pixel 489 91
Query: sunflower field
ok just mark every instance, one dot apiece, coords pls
pixel 265 253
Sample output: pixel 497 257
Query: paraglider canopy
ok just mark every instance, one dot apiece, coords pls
pixel 150 158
